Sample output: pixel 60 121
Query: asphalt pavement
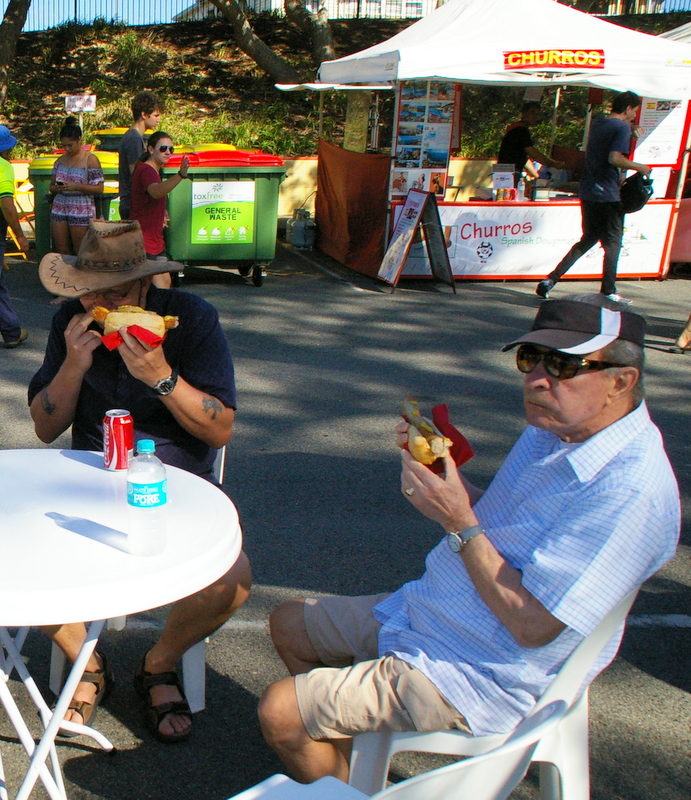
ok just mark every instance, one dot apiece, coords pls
pixel 324 357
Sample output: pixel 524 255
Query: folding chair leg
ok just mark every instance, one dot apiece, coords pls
pixel 194 676
pixel 369 762
pixel 57 669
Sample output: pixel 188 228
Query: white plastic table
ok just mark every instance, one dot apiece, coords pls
pixel 64 558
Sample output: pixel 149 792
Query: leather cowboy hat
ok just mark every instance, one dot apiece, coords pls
pixel 111 253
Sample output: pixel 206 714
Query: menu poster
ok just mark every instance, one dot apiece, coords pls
pixel 419 209
pixel 663 122
pixel 426 113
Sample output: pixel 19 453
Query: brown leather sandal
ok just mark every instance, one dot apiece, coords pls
pixel 153 715
pixel 104 681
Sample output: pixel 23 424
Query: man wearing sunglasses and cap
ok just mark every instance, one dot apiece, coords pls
pixel 584 509
pixel 181 394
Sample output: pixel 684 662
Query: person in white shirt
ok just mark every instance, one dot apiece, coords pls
pixel 584 509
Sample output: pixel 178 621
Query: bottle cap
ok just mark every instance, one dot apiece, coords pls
pixel 146 446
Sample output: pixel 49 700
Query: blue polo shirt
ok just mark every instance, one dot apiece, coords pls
pixel 197 348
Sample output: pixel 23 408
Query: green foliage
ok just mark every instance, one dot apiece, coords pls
pixel 214 92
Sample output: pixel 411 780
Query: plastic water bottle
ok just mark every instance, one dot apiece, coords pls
pixel 520 193
pixel 146 501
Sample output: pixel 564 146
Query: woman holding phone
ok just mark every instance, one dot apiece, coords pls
pixel 77 179
pixel 148 198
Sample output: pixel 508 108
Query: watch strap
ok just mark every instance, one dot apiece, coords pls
pixel 457 540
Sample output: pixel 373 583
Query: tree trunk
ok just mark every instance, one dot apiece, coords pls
pixel 248 41
pixel 10 29
pixel 316 26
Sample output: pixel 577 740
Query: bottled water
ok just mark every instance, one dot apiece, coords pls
pixel 520 194
pixel 146 501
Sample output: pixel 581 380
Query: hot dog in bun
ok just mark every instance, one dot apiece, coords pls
pixel 425 442
pixel 125 316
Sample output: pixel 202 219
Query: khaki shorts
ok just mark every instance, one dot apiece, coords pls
pixel 358 691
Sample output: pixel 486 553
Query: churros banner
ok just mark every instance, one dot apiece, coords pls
pixel 558 60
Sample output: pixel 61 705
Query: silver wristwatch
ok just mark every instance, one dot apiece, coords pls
pixel 457 540
pixel 166 385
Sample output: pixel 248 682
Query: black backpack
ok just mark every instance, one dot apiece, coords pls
pixel 635 192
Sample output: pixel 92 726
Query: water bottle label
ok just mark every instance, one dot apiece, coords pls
pixel 146 495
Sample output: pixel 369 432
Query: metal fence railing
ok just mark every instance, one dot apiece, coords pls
pixel 45 14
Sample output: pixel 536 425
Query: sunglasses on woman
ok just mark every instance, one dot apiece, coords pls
pixel 165 148
pixel 561 366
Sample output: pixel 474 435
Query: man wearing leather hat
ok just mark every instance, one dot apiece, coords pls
pixel 181 394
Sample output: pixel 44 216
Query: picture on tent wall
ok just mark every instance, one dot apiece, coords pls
pixel 410 134
pixel 408 157
pixel 399 182
pixel 413 112
pixel 441 91
pixel 440 113
pixel 436 183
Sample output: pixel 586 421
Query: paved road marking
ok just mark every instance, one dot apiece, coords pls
pixel 661 620
pixel 643 621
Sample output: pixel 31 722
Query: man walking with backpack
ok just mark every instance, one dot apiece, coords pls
pixel 602 213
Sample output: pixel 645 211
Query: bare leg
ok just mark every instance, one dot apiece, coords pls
pixel 279 715
pixel 305 759
pixel 70 638
pixel 77 234
pixel 684 339
pixel 191 620
pixel 60 232
pixel 289 636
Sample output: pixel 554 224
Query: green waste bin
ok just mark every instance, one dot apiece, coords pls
pixel 40 173
pixel 226 215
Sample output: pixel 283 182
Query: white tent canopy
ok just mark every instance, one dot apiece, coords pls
pixel 519 42
pixel 680 34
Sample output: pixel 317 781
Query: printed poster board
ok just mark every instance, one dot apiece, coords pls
pixel 418 213
pixel 662 141
pixel 223 212
pixel 427 128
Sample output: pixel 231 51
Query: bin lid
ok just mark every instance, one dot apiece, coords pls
pixel 44 162
pixel 228 158
pixel 201 148
pixel 107 159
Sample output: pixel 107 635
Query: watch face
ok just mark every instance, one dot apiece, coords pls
pixel 165 386
pixel 454 542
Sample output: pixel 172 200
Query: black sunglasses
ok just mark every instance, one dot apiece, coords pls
pixel 163 148
pixel 561 366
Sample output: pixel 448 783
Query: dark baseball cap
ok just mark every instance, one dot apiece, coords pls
pixel 581 328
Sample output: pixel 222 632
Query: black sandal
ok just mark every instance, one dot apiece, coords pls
pixel 153 715
pixel 104 681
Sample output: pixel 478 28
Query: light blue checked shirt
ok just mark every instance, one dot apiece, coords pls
pixel 585 525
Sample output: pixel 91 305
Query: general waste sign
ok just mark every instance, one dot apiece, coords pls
pixel 554 59
pixel 222 212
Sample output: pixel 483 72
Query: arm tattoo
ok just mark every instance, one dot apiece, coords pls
pixel 48 407
pixel 211 405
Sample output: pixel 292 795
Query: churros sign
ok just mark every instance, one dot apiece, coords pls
pixel 554 59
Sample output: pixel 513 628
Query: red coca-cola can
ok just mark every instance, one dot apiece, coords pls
pixel 118 438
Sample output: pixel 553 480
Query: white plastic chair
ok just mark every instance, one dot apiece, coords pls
pixel 564 767
pixel 193 661
pixel 492 776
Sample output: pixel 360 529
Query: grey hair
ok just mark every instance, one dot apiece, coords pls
pixel 620 351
